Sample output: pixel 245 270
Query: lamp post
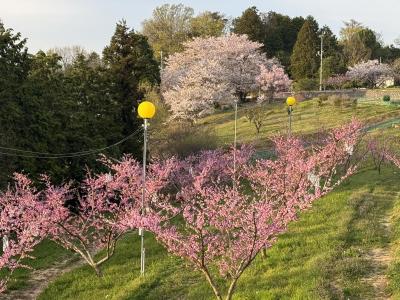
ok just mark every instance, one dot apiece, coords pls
pixel 146 111
pixel 321 53
pixel 290 101
pixel 235 140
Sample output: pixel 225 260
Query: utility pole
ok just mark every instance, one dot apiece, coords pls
pixel 321 53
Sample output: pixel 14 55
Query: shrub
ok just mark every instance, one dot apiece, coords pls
pixel 354 103
pixel 395 102
pixel 305 84
pixel 346 101
pixel 386 98
pixel 337 81
pixel 336 100
pixel 320 102
pixel 182 139
pixel 323 97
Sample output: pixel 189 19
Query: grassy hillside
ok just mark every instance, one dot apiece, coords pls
pixel 308 117
pixel 328 253
pixel 46 254
pixel 323 255
pixel 336 250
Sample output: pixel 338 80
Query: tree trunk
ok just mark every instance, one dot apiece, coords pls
pixel 231 289
pixel 264 253
pixel 270 96
pixel 211 282
pixel 99 273
pixel 242 97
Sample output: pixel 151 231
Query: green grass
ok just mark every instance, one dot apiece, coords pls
pixel 365 230
pixel 45 254
pixel 308 118
pixel 320 257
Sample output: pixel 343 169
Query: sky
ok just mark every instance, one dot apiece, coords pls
pixel 91 23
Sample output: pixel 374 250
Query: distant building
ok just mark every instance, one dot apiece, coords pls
pixel 386 82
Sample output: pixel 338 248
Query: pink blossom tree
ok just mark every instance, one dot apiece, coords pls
pixel 301 169
pixel 211 71
pixel 394 159
pixel 380 151
pixel 386 152
pixel 85 219
pixel 22 223
pixel 226 219
pixel 372 73
pixel 108 205
pixel 272 79
pixel 337 81
pixel 219 223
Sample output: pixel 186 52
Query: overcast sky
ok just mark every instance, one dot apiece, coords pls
pixel 90 23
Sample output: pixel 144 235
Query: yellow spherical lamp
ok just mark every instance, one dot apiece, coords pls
pixel 290 101
pixel 146 110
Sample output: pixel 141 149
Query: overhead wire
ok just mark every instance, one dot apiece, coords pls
pixel 48 155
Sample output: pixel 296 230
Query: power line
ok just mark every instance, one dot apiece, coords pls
pixel 46 155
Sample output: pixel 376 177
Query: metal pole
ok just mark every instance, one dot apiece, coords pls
pixel 5 242
pixel 320 69
pixel 141 230
pixel 290 120
pixel 235 141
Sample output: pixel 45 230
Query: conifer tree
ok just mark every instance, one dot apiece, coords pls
pixel 304 60
pixel 14 66
pixel 129 63
pixel 251 24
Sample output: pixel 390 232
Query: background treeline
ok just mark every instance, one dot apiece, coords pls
pixel 66 100
pixel 294 41
pixel 72 103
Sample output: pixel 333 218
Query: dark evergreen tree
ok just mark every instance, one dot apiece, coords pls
pixel 304 60
pixel 44 114
pixel 388 54
pixel 14 66
pixel 92 113
pixel 280 35
pixel 334 61
pixel 251 24
pixel 129 63
pixel 370 40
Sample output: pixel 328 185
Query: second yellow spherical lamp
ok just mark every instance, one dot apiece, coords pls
pixel 290 101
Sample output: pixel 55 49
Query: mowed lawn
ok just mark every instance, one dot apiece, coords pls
pixel 322 256
pixel 308 117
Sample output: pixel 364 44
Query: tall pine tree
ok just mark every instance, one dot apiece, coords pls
pixel 304 60
pixel 280 35
pixel 129 64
